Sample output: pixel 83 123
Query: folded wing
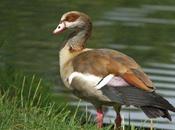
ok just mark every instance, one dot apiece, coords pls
pixel 102 62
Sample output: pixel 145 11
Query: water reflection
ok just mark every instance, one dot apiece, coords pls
pixel 141 29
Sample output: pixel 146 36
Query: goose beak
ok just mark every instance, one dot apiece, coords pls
pixel 60 28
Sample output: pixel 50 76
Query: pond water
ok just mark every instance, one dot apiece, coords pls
pixel 145 30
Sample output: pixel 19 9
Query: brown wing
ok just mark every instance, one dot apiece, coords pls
pixel 102 62
pixel 138 79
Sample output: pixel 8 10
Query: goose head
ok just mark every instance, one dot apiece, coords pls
pixel 73 20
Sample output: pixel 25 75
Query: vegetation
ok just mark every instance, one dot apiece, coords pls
pixel 26 103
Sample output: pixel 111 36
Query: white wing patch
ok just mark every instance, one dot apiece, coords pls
pixel 104 81
pixel 88 77
pixel 99 82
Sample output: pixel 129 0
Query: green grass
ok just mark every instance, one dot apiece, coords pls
pixel 26 103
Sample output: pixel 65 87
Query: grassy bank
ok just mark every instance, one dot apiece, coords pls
pixel 26 103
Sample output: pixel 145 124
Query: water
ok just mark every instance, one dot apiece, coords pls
pixel 142 29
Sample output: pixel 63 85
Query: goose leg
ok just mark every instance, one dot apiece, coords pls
pixel 118 119
pixel 99 117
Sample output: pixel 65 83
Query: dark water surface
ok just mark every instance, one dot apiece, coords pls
pixel 145 30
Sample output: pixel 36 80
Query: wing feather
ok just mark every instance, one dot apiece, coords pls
pixel 102 62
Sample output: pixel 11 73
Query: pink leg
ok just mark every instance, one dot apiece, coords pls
pixel 99 117
pixel 118 121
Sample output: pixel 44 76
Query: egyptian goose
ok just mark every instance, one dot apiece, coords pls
pixel 105 76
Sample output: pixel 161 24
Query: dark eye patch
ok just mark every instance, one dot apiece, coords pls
pixel 72 17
